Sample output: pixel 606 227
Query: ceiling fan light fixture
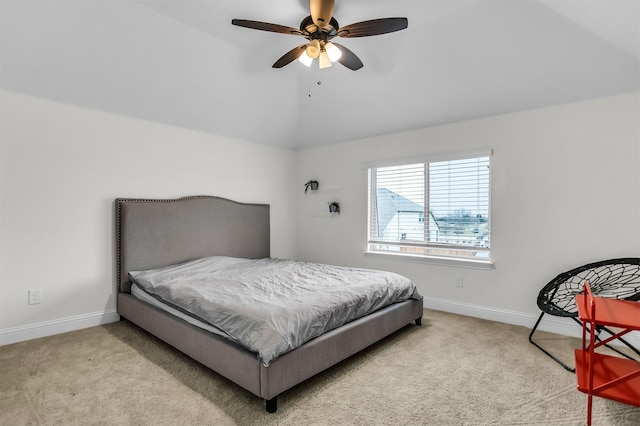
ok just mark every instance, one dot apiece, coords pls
pixel 313 50
pixel 320 27
pixel 332 51
pixel 305 59
pixel 325 62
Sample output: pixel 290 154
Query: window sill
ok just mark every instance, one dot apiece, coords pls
pixel 435 260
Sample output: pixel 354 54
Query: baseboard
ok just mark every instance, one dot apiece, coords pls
pixel 557 325
pixel 551 324
pixel 63 325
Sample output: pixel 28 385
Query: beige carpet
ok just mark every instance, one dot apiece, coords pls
pixel 453 370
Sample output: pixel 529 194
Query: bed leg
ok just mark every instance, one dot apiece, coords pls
pixel 419 321
pixel 272 404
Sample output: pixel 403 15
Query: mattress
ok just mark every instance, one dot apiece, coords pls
pixel 272 306
pixel 146 297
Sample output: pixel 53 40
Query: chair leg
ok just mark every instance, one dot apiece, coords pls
pixel 565 366
pixel 533 330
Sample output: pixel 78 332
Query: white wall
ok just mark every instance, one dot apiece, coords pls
pixel 62 167
pixel 565 191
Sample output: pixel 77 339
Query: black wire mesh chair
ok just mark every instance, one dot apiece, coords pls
pixel 615 278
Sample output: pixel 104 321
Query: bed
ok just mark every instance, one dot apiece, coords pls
pixel 153 233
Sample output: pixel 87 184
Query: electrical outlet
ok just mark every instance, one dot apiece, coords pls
pixel 35 296
pixel 459 281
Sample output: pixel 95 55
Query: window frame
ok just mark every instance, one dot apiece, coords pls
pixel 442 259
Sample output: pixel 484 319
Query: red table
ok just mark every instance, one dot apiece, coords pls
pixel 599 374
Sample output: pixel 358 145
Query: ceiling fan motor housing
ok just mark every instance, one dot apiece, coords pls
pixel 323 33
pixel 321 11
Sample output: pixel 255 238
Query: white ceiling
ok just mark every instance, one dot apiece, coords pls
pixel 183 63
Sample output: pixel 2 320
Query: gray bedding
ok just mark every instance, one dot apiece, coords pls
pixel 272 306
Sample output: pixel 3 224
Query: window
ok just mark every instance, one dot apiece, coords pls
pixel 434 207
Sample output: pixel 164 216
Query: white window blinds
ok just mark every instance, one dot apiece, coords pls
pixel 437 207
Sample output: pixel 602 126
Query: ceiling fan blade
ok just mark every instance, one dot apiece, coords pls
pixel 265 26
pixel 321 11
pixel 348 58
pixel 290 56
pixel 374 27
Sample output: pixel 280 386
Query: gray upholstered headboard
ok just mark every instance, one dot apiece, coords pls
pixel 153 233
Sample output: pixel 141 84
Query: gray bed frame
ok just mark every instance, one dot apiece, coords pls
pixel 151 233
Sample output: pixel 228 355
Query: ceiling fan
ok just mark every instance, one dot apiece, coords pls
pixel 319 29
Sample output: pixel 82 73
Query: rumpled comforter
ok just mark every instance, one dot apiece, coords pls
pixel 272 306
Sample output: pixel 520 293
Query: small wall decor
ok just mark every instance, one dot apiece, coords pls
pixel 313 184
pixel 334 207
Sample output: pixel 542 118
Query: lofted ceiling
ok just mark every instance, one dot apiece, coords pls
pixel 182 63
